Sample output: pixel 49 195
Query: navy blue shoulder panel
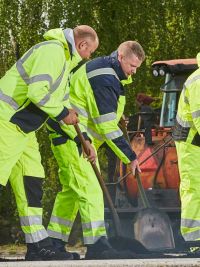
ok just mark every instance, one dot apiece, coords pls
pixel 106 87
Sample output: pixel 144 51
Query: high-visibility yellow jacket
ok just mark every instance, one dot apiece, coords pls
pixel 97 94
pixel 36 86
pixel 188 116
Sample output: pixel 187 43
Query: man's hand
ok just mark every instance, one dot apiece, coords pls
pixel 134 165
pixel 92 154
pixel 71 118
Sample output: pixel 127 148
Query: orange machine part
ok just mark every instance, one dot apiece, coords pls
pixel 166 177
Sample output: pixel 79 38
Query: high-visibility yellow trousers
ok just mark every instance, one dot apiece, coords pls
pixel 20 162
pixel 80 192
pixel 189 168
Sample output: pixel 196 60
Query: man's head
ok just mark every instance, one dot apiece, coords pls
pixel 86 40
pixel 130 55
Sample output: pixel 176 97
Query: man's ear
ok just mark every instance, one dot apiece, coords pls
pixel 82 44
pixel 120 57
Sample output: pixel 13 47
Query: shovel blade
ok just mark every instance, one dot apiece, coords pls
pixel 153 229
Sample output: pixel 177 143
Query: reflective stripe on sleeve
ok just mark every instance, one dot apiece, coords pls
pixel 102 71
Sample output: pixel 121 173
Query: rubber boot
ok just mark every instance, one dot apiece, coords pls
pixel 45 251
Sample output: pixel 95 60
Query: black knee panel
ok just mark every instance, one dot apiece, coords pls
pixel 33 190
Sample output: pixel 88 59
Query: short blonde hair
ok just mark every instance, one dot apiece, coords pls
pixel 131 47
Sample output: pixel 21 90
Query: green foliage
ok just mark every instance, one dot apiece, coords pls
pixel 167 29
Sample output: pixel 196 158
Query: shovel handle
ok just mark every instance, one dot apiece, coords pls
pixel 115 216
pixel 143 196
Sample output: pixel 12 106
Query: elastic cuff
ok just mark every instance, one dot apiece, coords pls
pixel 77 140
pixel 63 114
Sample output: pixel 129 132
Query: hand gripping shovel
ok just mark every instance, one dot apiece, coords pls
pixel 119 242
pixel 115 216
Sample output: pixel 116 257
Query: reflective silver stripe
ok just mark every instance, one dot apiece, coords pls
pixel 28 53
pixel 31 220
pixel 92 225
pixel 22 71
pixel 91 239
pixel 194 79
pixel 52 88
pixel 191 236
pixel 40 77
pixel 105 118
pixel 9 100
pixel 94 134
pixel 66 97
pixel 196 114
pixel 190 223
pixel 80 111
pixel 114 134
pixel 184 123
pixel 62 221
pixel 97 120
pixel 102 71
pixel 58 235
pixel 37 236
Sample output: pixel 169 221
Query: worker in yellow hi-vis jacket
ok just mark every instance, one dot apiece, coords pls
pixel 186 134
pixel 97 95
pixel 34 89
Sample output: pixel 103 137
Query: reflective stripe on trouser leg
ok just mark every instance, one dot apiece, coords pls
pixel 26 181
pixel 80 191
pixel 188 160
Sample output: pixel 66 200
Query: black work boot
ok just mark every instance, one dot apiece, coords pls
pixel 60 246
pixel 45 251
pixel 103 250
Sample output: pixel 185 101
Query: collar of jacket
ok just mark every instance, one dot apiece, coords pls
pixel 117 66
pixel 67 38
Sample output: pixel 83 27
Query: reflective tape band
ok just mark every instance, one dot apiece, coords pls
pixel 58 235
pixel 54 86
pixel 30 51
pixel 62 221
pixel 102 71
pixel 190 223
pixel 22 71
pixel 92 225
pixel 196 114
pixel 91 239
pixel 40 77
pixel 105 118
pixel 102 118
pixel 191 236
pixel 114 134
pixel 30 220
pixel 184 123
pixel 9 100
pixel 93 133
pixel 194 79
pixel 80 111
pixel 36 236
